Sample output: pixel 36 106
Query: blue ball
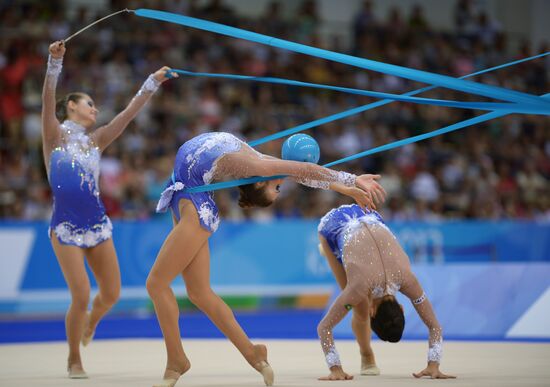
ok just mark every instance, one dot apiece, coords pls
pixel 301 147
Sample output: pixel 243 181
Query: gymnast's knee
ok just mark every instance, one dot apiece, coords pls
pixel 110 297
pixel 155 285
pixel 80 298
pixel 202 297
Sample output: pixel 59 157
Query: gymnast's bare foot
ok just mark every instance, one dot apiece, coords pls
pixel 261 365
pixel 75 370
pixel 173 373
pixel 368 365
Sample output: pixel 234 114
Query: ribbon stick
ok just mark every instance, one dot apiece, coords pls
pixel 94 23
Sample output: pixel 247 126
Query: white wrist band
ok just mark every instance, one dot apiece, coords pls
pixel 332 357
pixel 436 351
pixel 149 86
pixel 54 66
pixel 348 179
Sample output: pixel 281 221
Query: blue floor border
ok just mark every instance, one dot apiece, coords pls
pixel 295 324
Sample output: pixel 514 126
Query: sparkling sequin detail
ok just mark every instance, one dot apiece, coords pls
pixel 344 178
pixel 391 290
pixel 208 217
pixel 375 266
pixel 225 141
pixel 149 86
pixel 332 357
pixel 435 353
pixel 420 299
pixel 78 214
pixel 69 233
pixel 54 67
pixel 347 179
pixel 197 164
pixel 78 145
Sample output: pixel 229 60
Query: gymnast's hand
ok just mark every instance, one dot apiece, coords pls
pixel 160 74
pixel 432 370
pixel 362 198
pixel 337 373
pixel 57 49
pixel 369 184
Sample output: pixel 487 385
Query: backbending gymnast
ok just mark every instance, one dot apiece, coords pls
pixel 370 266
pixel 202 160
pixel 79 226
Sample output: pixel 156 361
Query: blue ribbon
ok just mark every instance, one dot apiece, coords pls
pixel 392 145
pixel 492 106
pixel 404 72
pixel 535 103
pixel 360 109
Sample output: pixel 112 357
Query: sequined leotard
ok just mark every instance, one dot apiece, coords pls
pixel 198 162
pixel 195 165
pixel 375 266
pixel 78 214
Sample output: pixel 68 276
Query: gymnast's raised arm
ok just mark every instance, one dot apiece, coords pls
pixel 106 134
pixel 51 133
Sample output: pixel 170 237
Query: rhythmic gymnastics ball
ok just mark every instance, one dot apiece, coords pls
pixel 301 147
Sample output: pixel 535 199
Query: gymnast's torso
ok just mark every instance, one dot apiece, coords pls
pixel 197 164
pixel 79 216
pixel 354 235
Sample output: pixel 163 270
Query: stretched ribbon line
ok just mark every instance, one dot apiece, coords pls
pixel 413 74
pixel 491 106
pixel 347 113
pixel 361 109
pixel 396 144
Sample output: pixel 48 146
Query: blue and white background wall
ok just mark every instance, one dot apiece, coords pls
pixel 487 280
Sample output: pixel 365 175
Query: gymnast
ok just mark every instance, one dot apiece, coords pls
pixel 370 266
pixel 202 160
pixel 79 226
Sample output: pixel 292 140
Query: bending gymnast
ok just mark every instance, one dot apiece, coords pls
pixel 370 266
pixel 79 226
pixel 201 160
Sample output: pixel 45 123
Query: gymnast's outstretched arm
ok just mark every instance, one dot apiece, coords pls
pixel 106 134
pixel 51 134
pixel 246 164
pixel 423 307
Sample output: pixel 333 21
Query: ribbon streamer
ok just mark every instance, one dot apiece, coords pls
pixel 399 71
pixel 492 106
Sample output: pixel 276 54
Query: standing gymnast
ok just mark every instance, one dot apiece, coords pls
pixel 79 226
pixel 370 266
pixel 202 160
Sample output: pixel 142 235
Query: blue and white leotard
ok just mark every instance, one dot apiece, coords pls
pixel 195 165
pixel 79 216
pixel 339 221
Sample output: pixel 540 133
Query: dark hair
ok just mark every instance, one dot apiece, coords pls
pixel 61 105
pixel 388 322
pixel 253 196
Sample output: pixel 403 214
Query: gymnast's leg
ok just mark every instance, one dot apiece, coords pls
pixel 197 281
pixel 179 249
pixel 103 261
pixel 71 260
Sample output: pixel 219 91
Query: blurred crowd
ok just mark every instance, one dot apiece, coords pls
pixel 496 170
